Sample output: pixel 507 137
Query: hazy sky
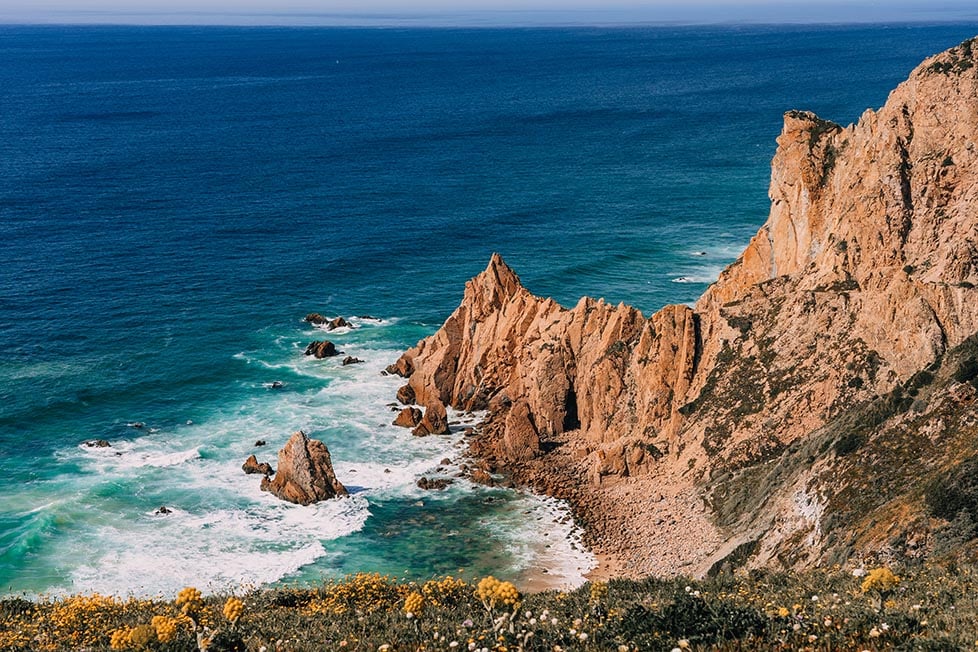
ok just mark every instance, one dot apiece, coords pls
pixel 489 12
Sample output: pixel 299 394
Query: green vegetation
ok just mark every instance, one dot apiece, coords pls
pixel 949 496
pixel 967 371
pixel 919 608
pixel 957 60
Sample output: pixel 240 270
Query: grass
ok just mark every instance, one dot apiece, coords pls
pixel 928 607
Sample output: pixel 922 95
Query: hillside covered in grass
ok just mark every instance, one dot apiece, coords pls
pixel 913 608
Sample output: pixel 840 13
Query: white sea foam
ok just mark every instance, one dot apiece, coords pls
pixel 223 531
pixel 546 544
pixel 339 330
pixel 143 452
pixel 699 274
pixel 216 550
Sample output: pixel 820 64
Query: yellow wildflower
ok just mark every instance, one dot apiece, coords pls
pixel 599 591
pixel 120 639
pixel 880 579
pixel 142 637
pixel 490 591
pixel 233 609
pixel 166 628
pixel 414 603
pixel 189 600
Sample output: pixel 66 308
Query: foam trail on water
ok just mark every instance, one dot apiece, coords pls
pixel 222 531
pixel 547 546
pixel 218 550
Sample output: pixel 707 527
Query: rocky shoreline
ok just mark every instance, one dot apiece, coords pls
pixel 621 524
pixel 798 412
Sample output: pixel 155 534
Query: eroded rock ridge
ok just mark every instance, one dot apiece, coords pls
pixel 721 424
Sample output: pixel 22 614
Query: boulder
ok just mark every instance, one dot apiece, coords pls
pixel 409 417
pixel 481 476
pixel 406 395
pixel 97 443
pixel 316 319
pixel 305 472
pixel 434 422
pixel 163 510
pixel 260 442
pixel 403 367
pixel 351 360
pixel 322 349
pixel 521 441
pixel 252 465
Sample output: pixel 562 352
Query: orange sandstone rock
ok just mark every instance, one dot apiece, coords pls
pixel 863 275
pixel 305 472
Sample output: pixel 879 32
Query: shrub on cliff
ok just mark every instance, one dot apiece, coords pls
pixel 967 371
pixel 948 496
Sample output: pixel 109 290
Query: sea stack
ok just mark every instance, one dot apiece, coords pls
pixel 305 472
pixel 769 414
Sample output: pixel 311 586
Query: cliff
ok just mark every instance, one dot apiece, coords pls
pixel 751 426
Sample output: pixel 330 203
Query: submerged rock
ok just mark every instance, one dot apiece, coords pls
pixel 433 483
pixel 305 472
pixel 316 319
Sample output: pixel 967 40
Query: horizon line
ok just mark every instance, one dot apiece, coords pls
pixel 490 18
pixel 413 24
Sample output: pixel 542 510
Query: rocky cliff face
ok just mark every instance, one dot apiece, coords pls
pixel 725 428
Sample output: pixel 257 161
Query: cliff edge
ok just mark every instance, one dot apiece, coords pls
pixel 799 412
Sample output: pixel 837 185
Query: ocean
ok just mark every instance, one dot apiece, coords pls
pixel 173 201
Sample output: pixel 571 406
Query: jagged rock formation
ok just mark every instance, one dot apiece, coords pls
pixel 252 466
pixel 409 417
pixel 321 349
pixel 736 411
pixel 326 323
pixel 434 421
pixel 305 472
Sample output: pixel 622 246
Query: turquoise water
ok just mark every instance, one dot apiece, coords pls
pixel 174 200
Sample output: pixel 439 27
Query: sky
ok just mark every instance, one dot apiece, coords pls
pixel 481 12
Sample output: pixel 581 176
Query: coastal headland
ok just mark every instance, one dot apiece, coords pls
pixel 800 412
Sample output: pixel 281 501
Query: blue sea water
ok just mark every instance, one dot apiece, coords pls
pixel 174 200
